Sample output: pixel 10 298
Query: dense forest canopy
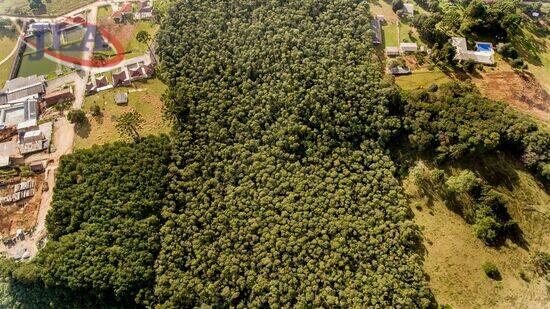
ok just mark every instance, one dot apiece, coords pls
pixel 281 192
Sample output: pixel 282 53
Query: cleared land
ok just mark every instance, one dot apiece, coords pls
pixel 453 255
pixel 126 33
pixel 421 79
pixel 143 97
pixel 51 7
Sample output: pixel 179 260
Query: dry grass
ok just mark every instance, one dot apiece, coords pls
pixel 453 255
pixel 143 97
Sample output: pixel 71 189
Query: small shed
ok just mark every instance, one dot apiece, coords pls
pixel 400 70
pixel 121 98
pixel 37 167
pixel 392 51
pixel 408 47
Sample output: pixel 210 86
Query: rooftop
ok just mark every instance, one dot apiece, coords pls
pixel 23 82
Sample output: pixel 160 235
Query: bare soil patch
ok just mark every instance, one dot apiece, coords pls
pixel 521 90
pixel 23 214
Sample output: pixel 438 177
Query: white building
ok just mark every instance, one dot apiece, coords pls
pixel 484 53
pixel 408 47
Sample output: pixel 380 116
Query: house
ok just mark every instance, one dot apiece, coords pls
pixel 400 70
pixel 149 70
pixel 377 39
pixel 408 9
pixel 137 73
pixel 145 11
pixel 23 88
pixel 90 88
pixel 58 96
pixel 483 54
pixel 14 114
pixel 121 98
pixel 408 47
pixel 101 83
pixel 392 51
pixel 123 13
pixel 120 79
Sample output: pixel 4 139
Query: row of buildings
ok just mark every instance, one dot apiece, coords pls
pixel 125 11
pixel 121 77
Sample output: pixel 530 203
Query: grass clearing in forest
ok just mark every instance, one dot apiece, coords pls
pixel 421 79
pixel 453 255
pixel 143 97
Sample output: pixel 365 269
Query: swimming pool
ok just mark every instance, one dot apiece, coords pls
pixel 484 47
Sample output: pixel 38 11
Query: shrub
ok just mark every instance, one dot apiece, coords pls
pixel 487 229
pixel 465 182
pixel 469 66
pixel 397 5
pixel 76 116
pixel 507 50
pixel 438 175
pixel 95 110
pixel 518 63
pixel 541 260
pixel 491 270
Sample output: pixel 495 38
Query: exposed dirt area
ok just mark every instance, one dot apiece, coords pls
pixel 381 7
pixel 22 214
pixel 521 90
pixel 124 32
pixel 453 255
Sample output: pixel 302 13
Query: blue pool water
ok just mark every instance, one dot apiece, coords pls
pixel 484 47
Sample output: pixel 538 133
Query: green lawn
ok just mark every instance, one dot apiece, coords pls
pixel 5 70
pixel 42 66
pixel 389 31
pixel 51 7
pixel 534 46
pixel 104 12
pixel 422 79
pixel 136 48
pixel 144 98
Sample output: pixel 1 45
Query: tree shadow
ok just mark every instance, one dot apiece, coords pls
pixel 83 129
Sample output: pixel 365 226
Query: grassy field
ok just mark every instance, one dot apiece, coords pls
pixel 42 66
pixel 143 97
pixel 389 32
pixel 104 12
pixel 453 255
pixel 382 7
pixel 51 7
pixel 8 40
pixel 136 48
pixel 421 79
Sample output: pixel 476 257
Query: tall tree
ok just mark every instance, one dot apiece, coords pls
pixel 129 124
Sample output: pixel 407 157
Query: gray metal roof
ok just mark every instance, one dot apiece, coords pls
pixel 23 82
pixel 121 98
pixel 25 92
